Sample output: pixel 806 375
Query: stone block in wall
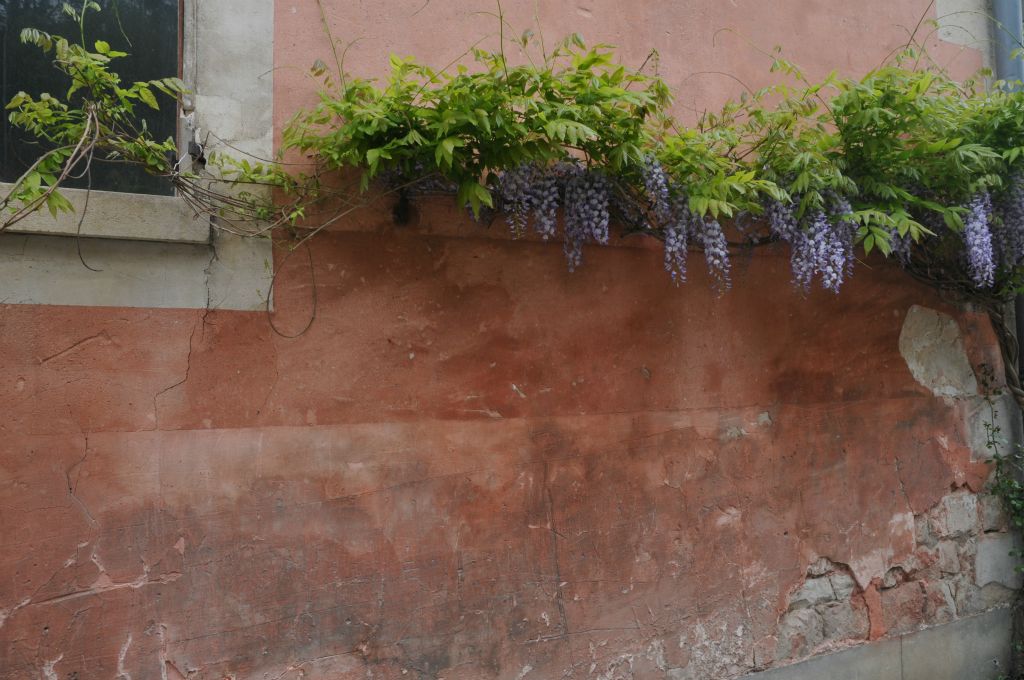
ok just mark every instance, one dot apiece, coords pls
pixel 800 632
pixel 955 515
pixel 903 607
pixel 820 567
pixel 949 557
pixel 922 531
pixel 966 595
pixel 843 621
pixel 994 563
pixel 997 595
pixel 993 516
pixel 933 348
pixel 814 591
pixel 940 602
pixel 892 578
pixel 843 585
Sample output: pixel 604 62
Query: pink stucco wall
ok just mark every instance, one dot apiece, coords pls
pixel 475 464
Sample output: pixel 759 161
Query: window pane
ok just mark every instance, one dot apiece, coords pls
pixel 146 29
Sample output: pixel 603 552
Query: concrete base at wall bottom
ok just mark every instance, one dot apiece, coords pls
pixel 975 648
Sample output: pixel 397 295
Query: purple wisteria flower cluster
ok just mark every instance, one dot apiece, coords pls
pixel 978 240
pixel 821 241
pixel 586 213
pixel 677 231
pixel 535 192
pixel 669 207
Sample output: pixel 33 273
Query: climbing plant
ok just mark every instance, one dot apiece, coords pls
pixel 904 160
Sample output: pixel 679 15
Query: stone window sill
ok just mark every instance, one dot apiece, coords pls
pixel 110 214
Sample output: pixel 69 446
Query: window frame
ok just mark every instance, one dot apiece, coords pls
pixel 227 64
pixel 129 215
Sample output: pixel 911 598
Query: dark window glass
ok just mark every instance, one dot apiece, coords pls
pixel 146 29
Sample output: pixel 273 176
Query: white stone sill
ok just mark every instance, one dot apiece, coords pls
pixel 111 214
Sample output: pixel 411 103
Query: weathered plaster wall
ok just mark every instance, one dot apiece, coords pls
pixel 476 465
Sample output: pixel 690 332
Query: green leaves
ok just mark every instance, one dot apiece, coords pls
pixel 444 152
pixel 466 125
pixel 146 95
pixel 569 131
pixel 474 195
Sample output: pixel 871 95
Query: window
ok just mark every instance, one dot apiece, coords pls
pixel 227 61
pixel 146 29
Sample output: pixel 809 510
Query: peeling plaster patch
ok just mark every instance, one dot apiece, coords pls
pixel 728 517
pixel 932 346
pixel 902 523
pixel 523 673
pixel 48 672
pixel 871 565
pixel 717 648
pixel 7 613
pixel 656 654
pixel 619 667
pixel 732 434
pixel 754 573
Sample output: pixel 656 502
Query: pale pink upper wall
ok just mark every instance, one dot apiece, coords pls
pixel 706 47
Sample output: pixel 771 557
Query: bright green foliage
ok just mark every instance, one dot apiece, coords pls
pixel 707 163
pixel 466 125
pixel 904 143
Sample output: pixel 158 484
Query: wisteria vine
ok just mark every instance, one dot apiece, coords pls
pixel 579 142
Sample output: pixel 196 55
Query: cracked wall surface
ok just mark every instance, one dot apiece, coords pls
pixel 476 465
pixel 671 492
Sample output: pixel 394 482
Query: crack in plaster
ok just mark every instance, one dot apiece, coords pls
pixel 73 487
pixel 11 611
pixel 102 336
pixel 102 584
pixel 549 508
pixel 200 323
pixel 200 320
pixel 121 672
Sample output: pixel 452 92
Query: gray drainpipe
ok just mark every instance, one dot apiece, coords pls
pixel 1007 21
pixel 1007 25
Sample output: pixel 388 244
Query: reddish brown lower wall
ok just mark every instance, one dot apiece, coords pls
pixel 474 465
